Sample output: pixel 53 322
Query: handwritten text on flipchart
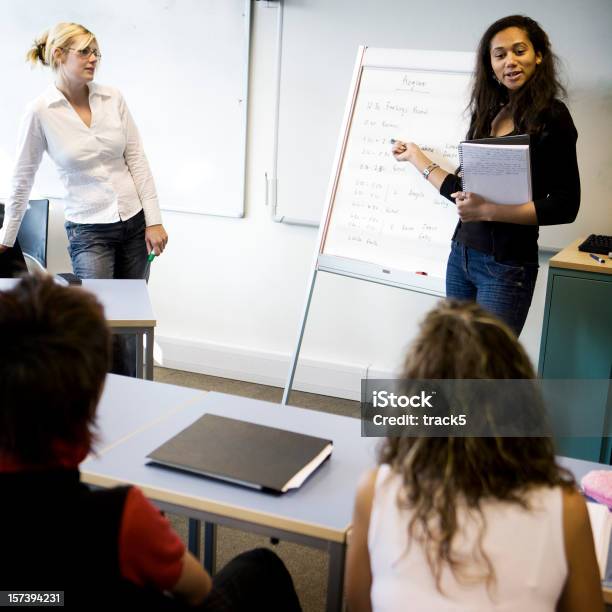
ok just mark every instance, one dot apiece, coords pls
pixel 384 210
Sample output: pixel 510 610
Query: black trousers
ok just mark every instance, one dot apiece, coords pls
pixel 254 580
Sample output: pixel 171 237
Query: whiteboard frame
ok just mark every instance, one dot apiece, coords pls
pixel 398 59
pixel 375 273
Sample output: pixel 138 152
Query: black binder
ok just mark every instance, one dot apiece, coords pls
pixel 244 453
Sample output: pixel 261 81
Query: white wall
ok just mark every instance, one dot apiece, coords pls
pixel 229 293
pixel 320 39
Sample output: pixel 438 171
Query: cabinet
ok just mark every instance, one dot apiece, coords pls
pixel 577 344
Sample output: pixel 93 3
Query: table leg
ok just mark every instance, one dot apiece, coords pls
pixel 139 355
pixel 150 339
pixel 210 547
pixel 194 537
pixel 335 576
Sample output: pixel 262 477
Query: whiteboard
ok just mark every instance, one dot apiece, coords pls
pixel 382 214
pixel 319 42
pixel 183 70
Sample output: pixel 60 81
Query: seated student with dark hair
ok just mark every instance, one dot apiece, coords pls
pixel 102 548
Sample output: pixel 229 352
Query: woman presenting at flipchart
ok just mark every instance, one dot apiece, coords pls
pixel 112 214
pixel 494 252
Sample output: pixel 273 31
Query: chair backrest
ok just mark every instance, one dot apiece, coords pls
pixel 34 231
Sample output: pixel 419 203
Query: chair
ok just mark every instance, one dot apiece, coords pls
pixel 29 253
pixel 33 234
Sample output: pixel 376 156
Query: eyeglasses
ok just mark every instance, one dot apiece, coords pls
pixel 86 52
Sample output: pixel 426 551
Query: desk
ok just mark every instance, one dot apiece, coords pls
pixel 136 416
pixel 127 405
pixel 318 514
pixel 127 309
pixel 577 338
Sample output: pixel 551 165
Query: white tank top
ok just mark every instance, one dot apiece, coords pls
pixel 525 547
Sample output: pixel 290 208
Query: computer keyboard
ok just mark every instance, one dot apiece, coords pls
pixel 597 244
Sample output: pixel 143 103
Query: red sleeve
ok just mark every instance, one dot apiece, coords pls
pixel 150 552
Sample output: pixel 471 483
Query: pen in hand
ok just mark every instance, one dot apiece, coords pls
pixel 399 147
pixel 150 258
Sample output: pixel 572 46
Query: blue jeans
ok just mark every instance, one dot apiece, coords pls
pixel 504 289
pixel 108 250
pixel 111 250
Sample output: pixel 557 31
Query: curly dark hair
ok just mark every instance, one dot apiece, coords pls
pixel 55 355
pixel 460 340
pixel 528 104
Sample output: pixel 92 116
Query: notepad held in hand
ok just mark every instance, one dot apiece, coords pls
pixel 497 169
pixel 244 453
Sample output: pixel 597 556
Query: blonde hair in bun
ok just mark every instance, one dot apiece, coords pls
pixel 60 36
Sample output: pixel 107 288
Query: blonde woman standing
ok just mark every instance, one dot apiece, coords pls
pixel 112 213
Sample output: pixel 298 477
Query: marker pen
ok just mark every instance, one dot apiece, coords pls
pixel 421 273
pixel 150 258
pixel 597 258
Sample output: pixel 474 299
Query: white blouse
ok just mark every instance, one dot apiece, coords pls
pixel 525 547
pixel 103 167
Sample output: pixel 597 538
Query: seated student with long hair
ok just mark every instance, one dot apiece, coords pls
pixel 465 523
pixel 102 548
